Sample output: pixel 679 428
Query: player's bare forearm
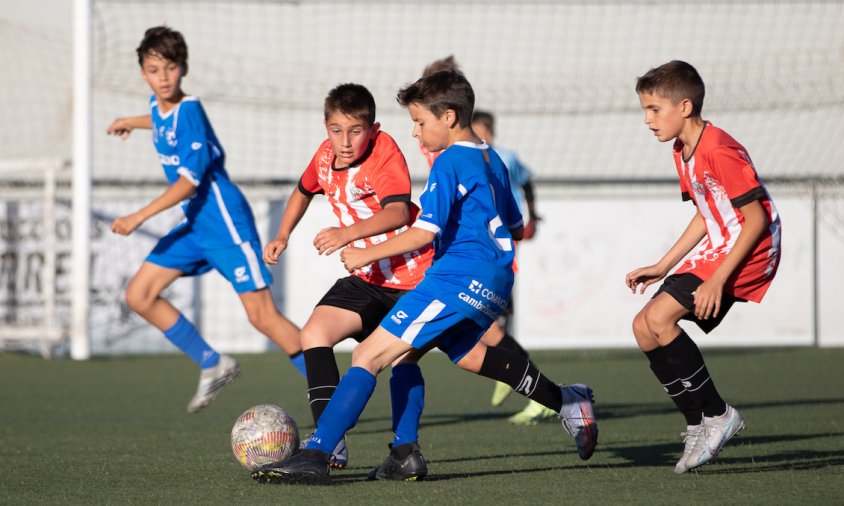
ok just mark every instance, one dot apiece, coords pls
pixel 695 231
pixel 296 207
pixel 410 240
pixel 174 195
pixel 122 127
pixel 755 223
pixel 394 215
pixel 643 277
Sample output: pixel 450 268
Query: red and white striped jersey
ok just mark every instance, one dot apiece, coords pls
pixel 720 177
pixel 356 193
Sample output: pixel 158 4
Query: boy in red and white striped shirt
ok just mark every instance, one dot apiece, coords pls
pixel 737 232
pixel 365 178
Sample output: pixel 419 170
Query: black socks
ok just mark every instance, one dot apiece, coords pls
pixel 323 377
pixel 522 375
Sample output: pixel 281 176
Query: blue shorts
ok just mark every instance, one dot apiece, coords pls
pixel 241 264
pixel 419 320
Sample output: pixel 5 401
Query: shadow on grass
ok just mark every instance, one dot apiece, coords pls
pixel 665 454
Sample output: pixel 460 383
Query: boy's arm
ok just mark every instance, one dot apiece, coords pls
pixel 122 127
pixel 708 294
pixel 533 218
pixel 177 192
pixel 394 215
pixel 646 276
pixel 410 240
pixel 297 204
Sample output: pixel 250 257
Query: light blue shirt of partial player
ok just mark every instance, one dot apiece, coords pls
pixel 520 174
pixel 469 205
pixel 218 213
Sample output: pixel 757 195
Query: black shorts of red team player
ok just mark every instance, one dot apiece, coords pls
pixel 682 287
pixel 370 301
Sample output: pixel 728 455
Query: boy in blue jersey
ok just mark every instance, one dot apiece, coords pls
pixel 218 230
pixel 469 213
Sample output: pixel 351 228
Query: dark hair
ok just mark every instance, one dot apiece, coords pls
pixel 439 92
pixel 486 119
pixel 675 80
pixel 353 100
pixel 447 63
pixel 165 42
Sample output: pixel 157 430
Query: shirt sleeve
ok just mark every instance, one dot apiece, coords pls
pixel 391 177
pixel 735 172
pixel 437 198
pixel 195 150
pixel 309 182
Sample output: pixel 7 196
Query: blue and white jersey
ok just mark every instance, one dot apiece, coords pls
pixel 468 204
pixel 187 146
pixel 520 174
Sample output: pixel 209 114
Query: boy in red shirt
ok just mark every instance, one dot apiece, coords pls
pixel 736 232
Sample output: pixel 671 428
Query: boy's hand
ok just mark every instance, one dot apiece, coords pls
pixel 708 299
pixel 353 258
pixel 273 250
pixel 120 127
pixel 127 224
pixel 644 276
pixel 330 239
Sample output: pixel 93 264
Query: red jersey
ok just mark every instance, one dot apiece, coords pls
pixel 358 192
pixel 719 176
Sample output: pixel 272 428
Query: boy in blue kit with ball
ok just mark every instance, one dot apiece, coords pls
pixel 218 231
pixel 469 213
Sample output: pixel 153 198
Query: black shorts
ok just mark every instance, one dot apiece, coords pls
pixel 369 301
pixel 682 287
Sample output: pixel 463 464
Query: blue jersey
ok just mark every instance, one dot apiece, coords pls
pixel 469 205
pixel 520 174
pixel 217 213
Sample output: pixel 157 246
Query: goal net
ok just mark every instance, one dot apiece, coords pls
pixel 559 75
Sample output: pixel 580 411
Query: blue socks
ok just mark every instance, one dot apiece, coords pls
pixel 407 393
pixel 343 410
pixel 298 361
pixel 185 336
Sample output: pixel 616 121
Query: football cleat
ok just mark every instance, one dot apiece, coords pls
pixel 717 430
pixel 532 414
pixel 211 381
pixel 404 463
pixel 306 467
pixel 339 457
pixel 578 418
pixel 690 438
pixel 500 393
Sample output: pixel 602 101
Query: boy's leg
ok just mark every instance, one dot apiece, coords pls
pixel 327 326
pixel 342 412
pixel 573 403
pixel 143 297
pixel 264 316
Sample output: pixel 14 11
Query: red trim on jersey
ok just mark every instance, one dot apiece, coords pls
pixel 356 193
pixel 719 176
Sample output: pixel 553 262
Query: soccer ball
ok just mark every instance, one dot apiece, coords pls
pixel 264 434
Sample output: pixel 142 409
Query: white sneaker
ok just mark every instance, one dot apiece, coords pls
pixel 578 418
pixel 211 381
pixel 690 438
pixel 339 458
pixel 717 430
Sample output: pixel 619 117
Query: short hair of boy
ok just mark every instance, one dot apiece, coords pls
pixel 353 100
pixel 448 63
pixel 165 42
pixel 440 92
pixel 675 80
pixel 486 119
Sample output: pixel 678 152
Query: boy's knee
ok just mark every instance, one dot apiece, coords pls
pixel 657 324
pixel 138 300
pixel 473 360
